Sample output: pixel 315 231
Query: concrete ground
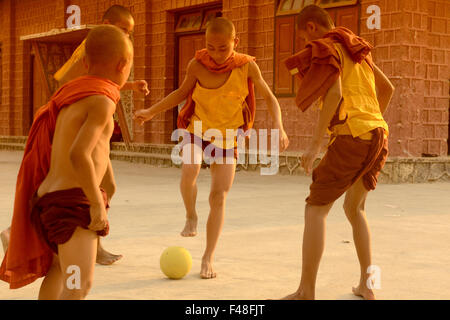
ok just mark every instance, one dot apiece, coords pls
pixel 259 252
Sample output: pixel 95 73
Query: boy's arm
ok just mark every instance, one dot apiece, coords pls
pixel 137 85
pixel 76 70
pixel 385 89
pixel 100 112
pixel 108 182
pixel 173 99
pixel 254 73
pixel 330 104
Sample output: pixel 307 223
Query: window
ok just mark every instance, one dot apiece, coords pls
pixel 196 21
pixel 1 76
pixel 336 3
pixel 209 15
pixel 189 22
pixel 287 42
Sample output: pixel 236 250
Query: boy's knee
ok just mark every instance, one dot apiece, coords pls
pixel 217 198
pixel 191 171
pixel 76 288
pixel 352 210
pixel 86 287
pixel 84 290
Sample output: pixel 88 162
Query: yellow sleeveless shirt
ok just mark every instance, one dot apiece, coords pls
pixel 76 55
pixel 360 102
pixel 221 108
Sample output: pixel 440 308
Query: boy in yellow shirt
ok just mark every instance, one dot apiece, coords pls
pixel 118 16
pixel 216 85
pixel 336 68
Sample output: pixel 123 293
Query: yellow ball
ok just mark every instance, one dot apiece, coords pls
pixel 175 262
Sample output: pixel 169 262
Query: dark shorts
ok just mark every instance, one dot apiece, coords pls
pixel 56 215
pixel 215 152
pixel 347 160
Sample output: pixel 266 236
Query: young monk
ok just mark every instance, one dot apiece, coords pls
pixel 336 66
pixel 118 16
pixel 60 208
pixel 219 87
pixel 122 18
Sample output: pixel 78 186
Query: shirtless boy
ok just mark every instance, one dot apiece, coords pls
pixel 68 210
pixel 122 18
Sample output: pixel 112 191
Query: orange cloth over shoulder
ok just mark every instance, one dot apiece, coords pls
pixel 318 65
pixel 236 60
pixel 28 257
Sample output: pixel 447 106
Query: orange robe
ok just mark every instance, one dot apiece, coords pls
pixel 57 214
pixel 28 257
pixel 318 66
pixel 348 158
pixel 236 60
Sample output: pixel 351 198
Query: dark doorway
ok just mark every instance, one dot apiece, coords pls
pixel 190 37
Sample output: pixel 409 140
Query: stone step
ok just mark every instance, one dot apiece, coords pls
pixel 156 159
pixel 13 139
pixel 12 146
pixel 143 148
pixel 396 170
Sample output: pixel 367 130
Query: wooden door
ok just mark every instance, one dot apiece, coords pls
pixel 348 17
pixel 38 90
pixel 187 46
pixel 284 48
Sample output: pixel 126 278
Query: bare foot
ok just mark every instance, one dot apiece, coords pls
pixel 106 258
pixel 207 270
pixel 190 229
pixel 366 293
pixel 4 235
pixel 297 296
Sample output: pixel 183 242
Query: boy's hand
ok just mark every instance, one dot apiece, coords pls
pixel 308 158
pixel 284 141
pixel 142 115
pixel 99 218
pixel 141 86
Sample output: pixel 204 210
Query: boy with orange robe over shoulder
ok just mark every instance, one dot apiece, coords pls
pixel 60 208
pixel 336 69
pixel 122 18
pixel 219 87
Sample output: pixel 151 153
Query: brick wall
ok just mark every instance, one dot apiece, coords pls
pixel 435 114
pixel 155 61
pixel 254 22
pixel 413 49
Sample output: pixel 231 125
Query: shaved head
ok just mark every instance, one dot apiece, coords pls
pixel 221 25
pixel 316 14
pixel 107 44
pixel 117 13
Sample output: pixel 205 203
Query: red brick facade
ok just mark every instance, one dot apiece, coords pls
pixel 412 48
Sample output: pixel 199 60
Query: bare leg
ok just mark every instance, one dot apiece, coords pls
pixel 78 252
pixel 222 179
pixel 354 209
pixel 313 246
pixel 192 157
pixel 52 285
pixel 104 257
pixel 4 235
